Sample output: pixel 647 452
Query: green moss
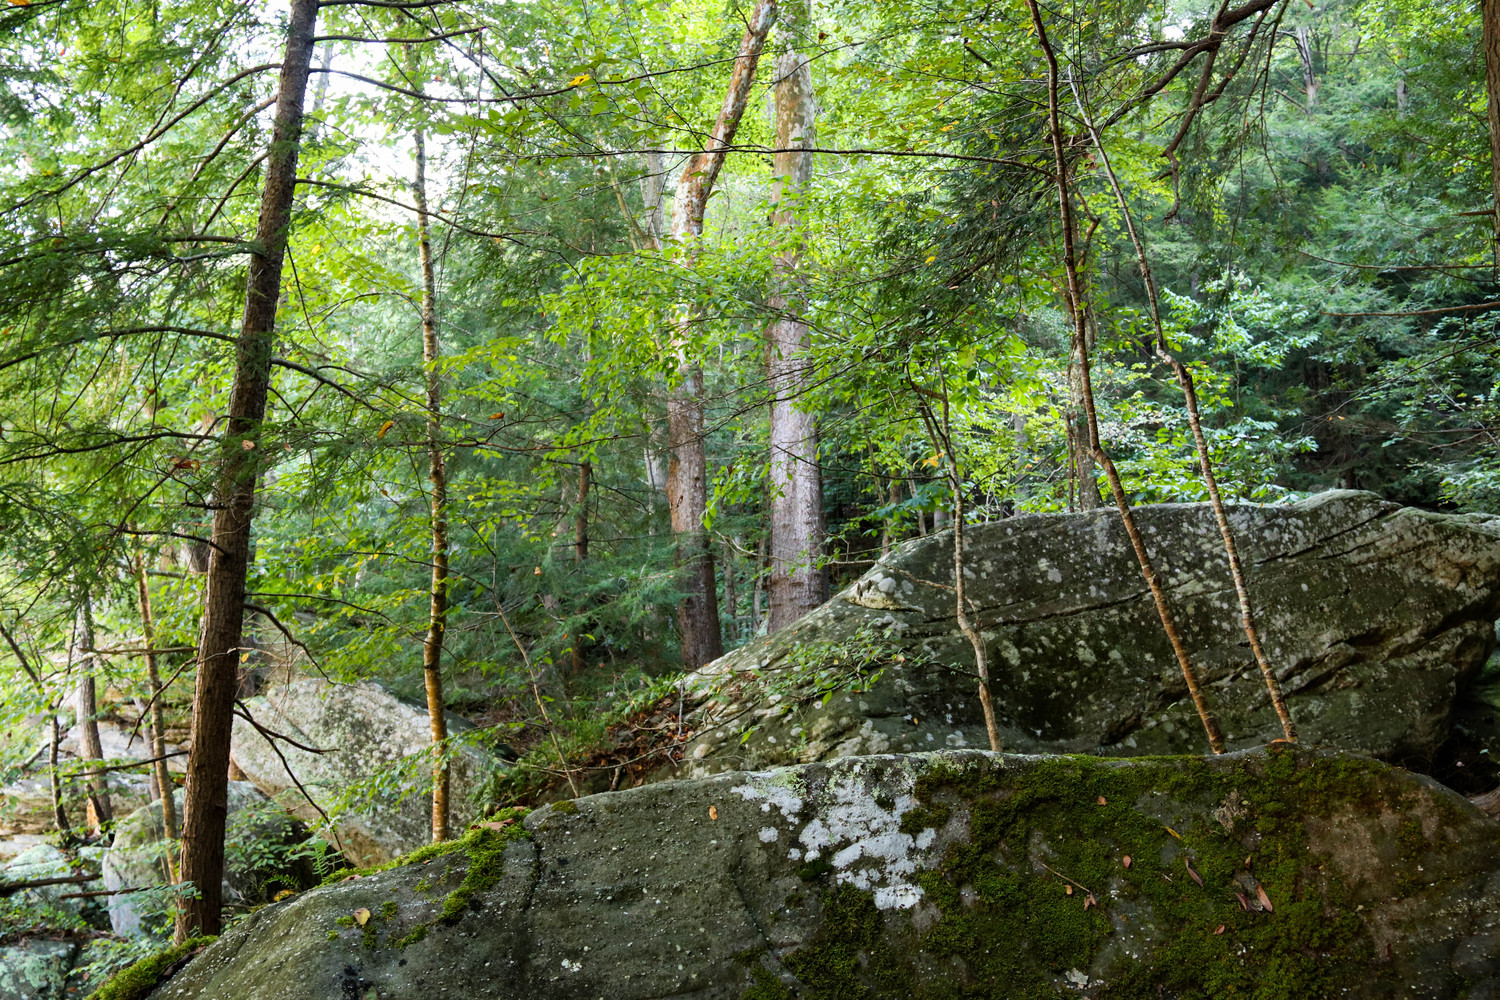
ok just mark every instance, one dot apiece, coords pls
pixel 814 870
pixel 485 849
pixel 566 807
pixel 425 853
pixel 766 987
pixel 135 981
pixel 846 959
pixel 1009 927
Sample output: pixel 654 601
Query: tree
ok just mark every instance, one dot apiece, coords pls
pixel 687 468
pixel 798 582
pixel 437 474
pixel 205 807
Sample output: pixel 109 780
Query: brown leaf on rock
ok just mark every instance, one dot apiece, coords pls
pixel 1260 893
pixel 1125 861
pixel 361 916
pixel 1219 930
pixel 713 812
pixel 1244 903
pixel 1193 874
pixel 1090 901
pixel 1068 889
pixel 1103 800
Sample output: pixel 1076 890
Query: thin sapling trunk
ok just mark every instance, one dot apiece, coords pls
pixel 1080 346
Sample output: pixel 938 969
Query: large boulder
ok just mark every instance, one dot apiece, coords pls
pixel 365 734
pixel 259 838
pixel 1373 617
pixel 1280 874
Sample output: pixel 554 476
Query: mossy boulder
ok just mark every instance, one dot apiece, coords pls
pixel 368 737
pixel 1374 617
pixel 1276 874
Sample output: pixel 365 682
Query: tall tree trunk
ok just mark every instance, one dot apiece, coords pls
pixel 98 806
pixel 687 469
pixel 206 803
pixel 1489 16
pixel 799 583
pixel 1302 38
pixel 156 725
pixel 437 474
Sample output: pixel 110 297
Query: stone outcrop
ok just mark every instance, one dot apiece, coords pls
pixel 1373 616
pixel 1282 873
pixel 365 733
pixel 35 960
pixel 254 871
pixel 26 804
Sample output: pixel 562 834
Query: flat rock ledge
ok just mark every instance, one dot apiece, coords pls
pixel 1280 872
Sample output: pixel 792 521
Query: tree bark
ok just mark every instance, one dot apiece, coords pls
pixel 799 583
pixel 1489 16
pixel 687 468
pixel 206 804
pixel 156 725
pixel 437 474
pixel 97 804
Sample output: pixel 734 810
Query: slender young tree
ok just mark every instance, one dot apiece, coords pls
pixel 798 582
pixel 206 801
pixel 156 721
pixel 1075 300
pixel 98 808
pixel 1195 425
pixel 687 468
pixel 437 475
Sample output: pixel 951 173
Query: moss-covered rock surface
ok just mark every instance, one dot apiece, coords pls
pixel 1374 617
pixel 1267 874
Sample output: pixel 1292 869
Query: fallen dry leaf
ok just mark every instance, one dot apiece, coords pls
pixel 489 825
pixel 1244 903
pixel 1194 875
pixel 1126 861
pixel 1090 901
pixel 1219 931
pixel 361 916
pixel 713 812
pixel 1174 833
pixel 1260 893
pixel 1068 889
pixel 1103 800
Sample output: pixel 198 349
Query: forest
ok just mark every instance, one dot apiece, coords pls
pixel 525 356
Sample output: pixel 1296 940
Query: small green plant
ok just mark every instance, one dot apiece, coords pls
pixel 816 671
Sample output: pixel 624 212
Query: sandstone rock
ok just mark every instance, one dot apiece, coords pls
pixel 36 968
pixel 257 828
pixel 1282 874
pixel 366 731
pixel 1373 616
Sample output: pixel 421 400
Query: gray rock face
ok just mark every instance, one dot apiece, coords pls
pixel 135 860
pixel 1372 616
pixel 36 969
pixel 1287 873
pixel 367 732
